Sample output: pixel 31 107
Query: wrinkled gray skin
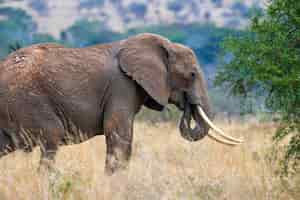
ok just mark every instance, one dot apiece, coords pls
pixel 51 95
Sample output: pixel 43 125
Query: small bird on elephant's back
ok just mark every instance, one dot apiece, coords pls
pixel 49 92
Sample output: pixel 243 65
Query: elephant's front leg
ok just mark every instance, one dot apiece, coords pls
pixel 118 128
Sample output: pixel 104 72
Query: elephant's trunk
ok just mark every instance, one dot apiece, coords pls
pixel 200 129
pixel 202 125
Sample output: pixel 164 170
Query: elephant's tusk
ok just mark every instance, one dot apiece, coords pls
pixel 219 131
pixel 222 140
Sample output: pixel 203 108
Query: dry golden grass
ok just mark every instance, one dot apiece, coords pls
pixel 163 166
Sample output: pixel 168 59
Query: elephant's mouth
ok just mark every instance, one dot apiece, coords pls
pixel 202 124
pixel 200 128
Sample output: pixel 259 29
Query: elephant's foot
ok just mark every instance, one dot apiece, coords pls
pixel 46 165
pixel 47 161
pixel 116 162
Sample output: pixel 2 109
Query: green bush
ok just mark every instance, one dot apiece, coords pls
pixel 267 62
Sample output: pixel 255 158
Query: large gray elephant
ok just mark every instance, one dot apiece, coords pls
pixel 51 95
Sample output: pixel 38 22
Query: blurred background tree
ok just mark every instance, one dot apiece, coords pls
pixel 267 62
pixel 84 33
pixel 18 29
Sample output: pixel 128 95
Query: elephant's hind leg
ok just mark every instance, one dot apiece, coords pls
pixel 51 136
pixel 48 130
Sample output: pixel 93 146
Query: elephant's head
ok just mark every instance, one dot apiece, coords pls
pixel 169 73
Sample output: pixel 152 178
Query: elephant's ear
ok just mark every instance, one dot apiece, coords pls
pixel 144 59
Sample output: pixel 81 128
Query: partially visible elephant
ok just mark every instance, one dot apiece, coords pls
pixel 51 95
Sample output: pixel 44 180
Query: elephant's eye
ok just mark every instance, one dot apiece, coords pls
pixel 193 75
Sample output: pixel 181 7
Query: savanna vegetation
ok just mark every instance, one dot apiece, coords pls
pixel 163 166
pixel 266 62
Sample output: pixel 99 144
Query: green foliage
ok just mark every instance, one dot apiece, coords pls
pixel 17 27
pixel 267 62
pixel 85 33
pixel 14 46
pixel 41 38
pixel 18 30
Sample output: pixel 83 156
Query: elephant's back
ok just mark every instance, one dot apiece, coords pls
pixel 22 67
pixel 52 63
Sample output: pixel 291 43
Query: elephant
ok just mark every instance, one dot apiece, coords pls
pixel 51 95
